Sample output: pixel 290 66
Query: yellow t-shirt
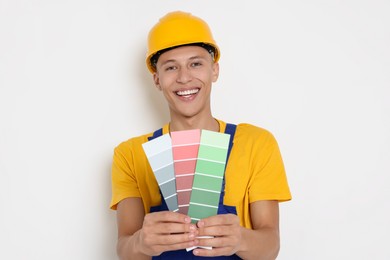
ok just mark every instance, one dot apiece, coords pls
pixel 255 171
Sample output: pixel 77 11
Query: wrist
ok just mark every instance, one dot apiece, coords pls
pixel 243 244
pixel 134 243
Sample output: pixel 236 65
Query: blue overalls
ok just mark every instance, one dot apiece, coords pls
pixel 222 209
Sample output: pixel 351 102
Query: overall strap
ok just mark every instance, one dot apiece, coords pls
pixel 231 130
pixel 222 209
pixel 156 134
pixel 163 205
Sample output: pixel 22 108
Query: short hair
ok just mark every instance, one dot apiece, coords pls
pixel 210 49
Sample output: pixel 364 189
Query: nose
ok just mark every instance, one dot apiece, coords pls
pixel 184 75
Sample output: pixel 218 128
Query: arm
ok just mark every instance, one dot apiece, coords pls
pixel 262 242
pixel 130 215
pixel 141 236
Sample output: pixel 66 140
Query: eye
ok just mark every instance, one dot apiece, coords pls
pixel 196 64
pixel 168 68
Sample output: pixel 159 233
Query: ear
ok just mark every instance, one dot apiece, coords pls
pixel 156 80
pixel 215 71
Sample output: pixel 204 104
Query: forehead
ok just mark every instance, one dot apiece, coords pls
pixel 184 53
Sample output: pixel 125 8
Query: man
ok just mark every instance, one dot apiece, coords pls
pixel 183 58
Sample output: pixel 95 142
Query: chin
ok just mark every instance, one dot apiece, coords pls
pixel 186 114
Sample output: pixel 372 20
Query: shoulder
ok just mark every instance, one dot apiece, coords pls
pixel 253 132
pixel 254 137
pixel 132 144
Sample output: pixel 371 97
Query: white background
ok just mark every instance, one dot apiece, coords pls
pixel 73 85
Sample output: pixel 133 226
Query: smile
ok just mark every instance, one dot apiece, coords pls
pixel 188 92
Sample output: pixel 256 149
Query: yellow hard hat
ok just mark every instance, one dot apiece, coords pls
pixel 176 29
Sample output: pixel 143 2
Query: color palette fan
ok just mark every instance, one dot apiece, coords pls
pixel 210 169
pixel 185 146
pixel 159 153
pixel 189 167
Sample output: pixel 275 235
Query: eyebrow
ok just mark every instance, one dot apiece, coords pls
pixel 191 58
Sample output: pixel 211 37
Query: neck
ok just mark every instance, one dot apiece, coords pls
pixel 207 123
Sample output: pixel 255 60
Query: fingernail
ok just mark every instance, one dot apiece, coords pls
pixel 187 219
pixel 192 227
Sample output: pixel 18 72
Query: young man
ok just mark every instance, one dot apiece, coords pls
pixel 183 58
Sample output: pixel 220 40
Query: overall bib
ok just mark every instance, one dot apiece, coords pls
pixel 222 209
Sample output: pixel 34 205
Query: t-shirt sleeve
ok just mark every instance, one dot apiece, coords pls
pixel 269 181
pixel 123 181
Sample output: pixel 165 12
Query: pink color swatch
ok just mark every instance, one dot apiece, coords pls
pixel 185 146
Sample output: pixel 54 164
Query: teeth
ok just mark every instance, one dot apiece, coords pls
pixel 187 92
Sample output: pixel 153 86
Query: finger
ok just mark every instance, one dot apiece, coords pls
pixel 176 246
pixel 172 239
pixel 174 228
pixel 155 245
pixel 167 216
pixel 222 219
pixel 217 231
pixel 213 252
pixel 169 228
pixel 219 242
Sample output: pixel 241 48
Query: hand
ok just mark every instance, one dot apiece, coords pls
pixel 226 231
pixel 165 231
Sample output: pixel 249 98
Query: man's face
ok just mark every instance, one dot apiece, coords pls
pixel 185 75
